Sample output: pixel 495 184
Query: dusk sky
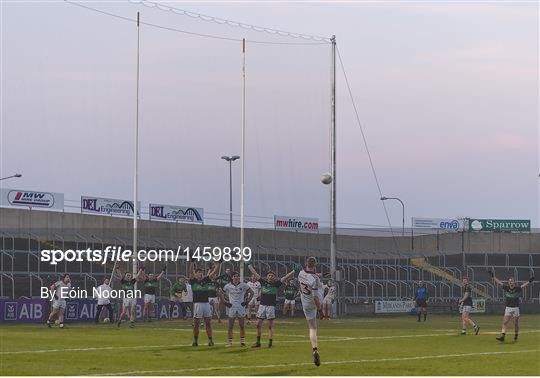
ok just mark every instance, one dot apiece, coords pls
pixel 447 94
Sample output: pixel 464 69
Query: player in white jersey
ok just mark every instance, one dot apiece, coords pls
pixel 253 304
pixel 60 288
pixel 328 300
pixel 234 297
pixel 311 296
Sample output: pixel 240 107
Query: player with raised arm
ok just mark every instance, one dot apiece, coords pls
pixel 267 308
pixel 511 293
pixel 129 302
pixel 150 284
pixel 234 298
pixel 178 290
pixel 59 301
pixel 201 307
pixel 467 305
pixel 328 300
pixel 253 305
pixel 213 297
pixel 420 300
pixel 291 292
pixel 311 296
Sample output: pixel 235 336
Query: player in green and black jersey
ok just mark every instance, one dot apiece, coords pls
pixel 267 308
pixel 200 286
pixel 467 305
pixel 178 289
pixel 512 294
pixel 150 285
pixel 291 292
pixel 129 302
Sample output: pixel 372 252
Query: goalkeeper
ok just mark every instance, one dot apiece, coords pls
pixel 511 293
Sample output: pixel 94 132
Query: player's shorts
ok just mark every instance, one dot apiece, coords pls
pixel 127 302
pixel 254 301
pixel 421 303
pixel 266 312
pixel 466 309
pixel 236 311
pixel 202 310
pixel 59 303
pixel 511 311
pixel 289 302
pixel 213 300
pixel 149 298
pixel 310 312
pixel 176 299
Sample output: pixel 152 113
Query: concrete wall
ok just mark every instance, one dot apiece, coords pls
pixel 94 228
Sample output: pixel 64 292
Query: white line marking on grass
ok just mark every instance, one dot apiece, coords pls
pixel 346 362
pixel 280 342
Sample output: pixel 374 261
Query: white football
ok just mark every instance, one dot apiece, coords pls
pixel 326 178
pixel 106 320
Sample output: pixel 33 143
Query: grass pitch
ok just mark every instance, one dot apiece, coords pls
pixel 396 345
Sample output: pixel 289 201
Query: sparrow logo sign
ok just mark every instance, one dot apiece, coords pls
pixel 509 225
pixel 11 197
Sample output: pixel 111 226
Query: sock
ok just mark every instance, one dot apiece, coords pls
pixel 425 316
pixel 418 316
pixel 209 338
pixel 313 337
pixel 196 339
pixel 242 340
pixel 229 340
pixel 258 339
pixel 314 349
pixel 269 342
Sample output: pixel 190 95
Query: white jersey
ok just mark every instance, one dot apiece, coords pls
pixel 310 286
pixel 103 293
pixel 236 293
pixel 256 288
pixel 188 296
pixel 58 293
pixel 331 294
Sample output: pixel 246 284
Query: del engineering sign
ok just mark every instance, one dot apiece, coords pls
pixel 46 200
pixel 282 222
pixel 438 223
pixel 176 213
pixel 522 225
pixel 109 206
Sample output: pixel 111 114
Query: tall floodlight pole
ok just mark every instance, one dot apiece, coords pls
pixel 242 161
pixel 136 160
pixel 230 159
pixel 402 213
pixel 333 241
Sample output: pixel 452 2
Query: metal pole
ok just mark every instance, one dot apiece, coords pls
pixel 333 242
pixel 136 166
pixel 230 193
pixel 242 172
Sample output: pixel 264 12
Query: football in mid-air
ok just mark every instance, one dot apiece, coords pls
pixel 106 320
pixel 326 178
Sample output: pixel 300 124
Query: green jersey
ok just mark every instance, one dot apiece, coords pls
pixel 269 291
pixel 128 286
pixel 212 287
pixel 150 286
pixel 290 292
pixel 178 288
pixel 200 289
pixel 467 289
pixel 511 295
